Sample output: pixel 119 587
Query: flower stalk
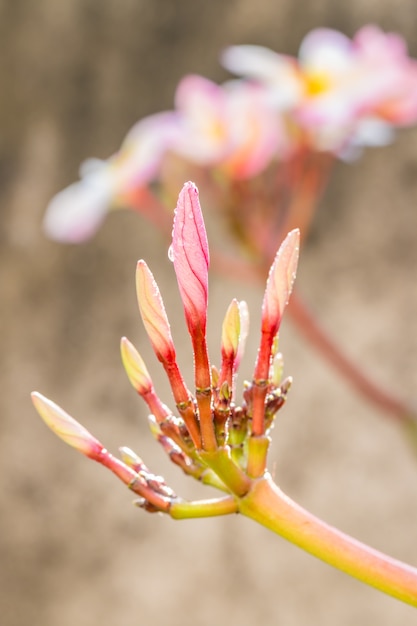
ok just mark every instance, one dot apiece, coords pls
pixel 269 506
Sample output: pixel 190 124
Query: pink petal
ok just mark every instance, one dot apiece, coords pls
pixel 76 213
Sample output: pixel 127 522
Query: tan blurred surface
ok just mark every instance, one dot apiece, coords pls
pixel 75 75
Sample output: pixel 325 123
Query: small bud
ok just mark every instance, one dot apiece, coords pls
pixel 280 282
pixel 154 426
pixel 215 375
pixel 153 314
pixel 66 427
pixel 191 257
pixel 234 333
pixel 224 392
pixel 135 367
pixel 231 330
pixel 131 459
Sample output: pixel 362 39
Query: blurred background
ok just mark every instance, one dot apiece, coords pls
pixel 75 75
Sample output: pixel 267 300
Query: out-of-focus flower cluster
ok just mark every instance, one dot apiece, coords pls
pixel 283 120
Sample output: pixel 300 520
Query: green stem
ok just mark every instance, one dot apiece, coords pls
pixel 269 506
pixel 229 473
pixel 203 508
pixel 257 453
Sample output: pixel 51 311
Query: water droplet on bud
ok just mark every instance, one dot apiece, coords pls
pixel 171 253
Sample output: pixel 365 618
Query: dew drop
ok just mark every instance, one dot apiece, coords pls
pixel 171 253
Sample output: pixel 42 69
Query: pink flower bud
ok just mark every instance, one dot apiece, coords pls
pixel 278 289
pixel 280 282
pixel 66 427
pixel 231 330
pixel 157 326
pixel 135 367
pixel 153 314
pixel 190 255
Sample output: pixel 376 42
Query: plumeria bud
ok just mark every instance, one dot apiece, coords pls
pixel 135 367
pixel 278 289
pixel 231 330
pixel 153 313
pixel 131 459
pixel 280 282
pixel 190 254
pixel 66 427
pixel 224 392
pixel 157 326
pixel 215 376
pixel 230 343
pixel 154 426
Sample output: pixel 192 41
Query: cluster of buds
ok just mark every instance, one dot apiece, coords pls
pixel 211 438
pixel 261 145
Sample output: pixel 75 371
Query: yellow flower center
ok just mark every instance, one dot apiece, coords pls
pixel 316 83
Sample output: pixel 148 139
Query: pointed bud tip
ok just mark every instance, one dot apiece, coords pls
pixel 190 186
pixel 135 367
pixel 66 427
pixel 130 458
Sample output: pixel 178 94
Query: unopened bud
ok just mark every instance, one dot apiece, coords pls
pixel 66 427
pixel 135 367
pixel 190 254
pixel 280 282
pixel 231 330
pixel 153 314
pixel 132 459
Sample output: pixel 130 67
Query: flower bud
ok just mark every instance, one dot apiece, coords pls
pixel 190 255
pixel 153 314
pixel 280 282
pixel 132 460
pixel 66 427
pixel 231 330
pixel 135 367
